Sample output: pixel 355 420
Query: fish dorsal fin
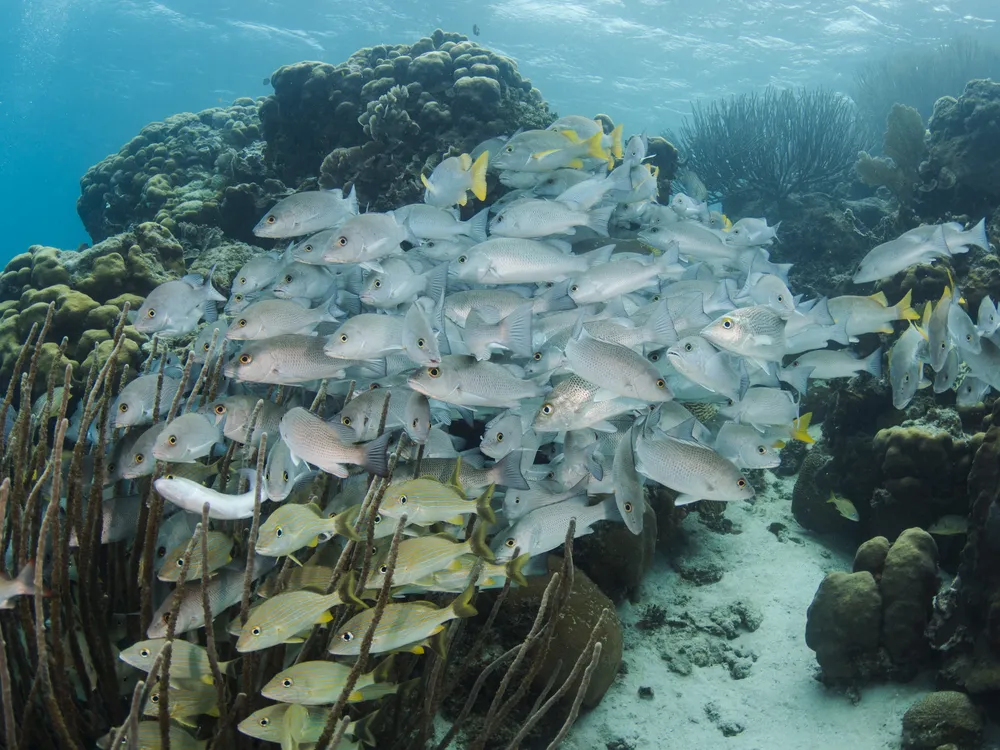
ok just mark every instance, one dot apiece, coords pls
pixel 880 298
pixel 683 431
pixel 465 161
pixel 928 312
pixel 454 480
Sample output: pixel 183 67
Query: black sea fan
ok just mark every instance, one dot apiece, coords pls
pixel 774 143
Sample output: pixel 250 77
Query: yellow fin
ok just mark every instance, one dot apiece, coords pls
pixel 616 141
pixel 571 134
pixel 356 697
pixel 426 183
pixel 595 148
pixel 800 428
pixel 207 679
pixel 418 649
pixel 479 175
pixel 904 310
pixel 295 560
pixel 543 154
pixel 454 480
pixel 921 331
pixel 465 161
pixel 515 568
pixel 575 164
pixel 779 444
pixel 313 542
pixel 880 298
pixel 325 617
pixel 463 200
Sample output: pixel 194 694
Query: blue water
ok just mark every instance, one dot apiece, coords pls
pixel 81 77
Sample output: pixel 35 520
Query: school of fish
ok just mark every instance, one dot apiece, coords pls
pixel 546 357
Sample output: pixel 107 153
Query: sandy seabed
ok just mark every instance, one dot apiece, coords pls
pixel 778 705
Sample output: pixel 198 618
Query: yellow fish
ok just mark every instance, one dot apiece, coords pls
pixel 950 525
pixel 317 683
pixel 187 700
pixel 282 617
pixel 220 552
pixel 267 723
pixel 844 507
pixel 426 555
pixel 188 662
pixel 427 501
pixel 291 527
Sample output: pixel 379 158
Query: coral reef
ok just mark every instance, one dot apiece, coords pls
pixel 903 148
pixel 963 156
pixel 205 168
pixel 870 623
pixel 942 719
pixel 89 288
pixel 773 144
pixel 387 114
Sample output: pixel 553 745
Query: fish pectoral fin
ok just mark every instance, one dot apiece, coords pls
pixel 323 618
pixel 575 164
pixel 542 154
pixel 313 542
pixel 426 184
pixel 685 499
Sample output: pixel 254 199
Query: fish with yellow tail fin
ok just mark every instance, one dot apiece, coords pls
pixel 188 661
pixel 584 128
pixel 426 555
pixel 220 552
pixel 844 507
pixel 267 723
pixel 870 314
pixel 187 702
pixel 318 683
pixel 453 178
pixel 148 738
pixel 283 616
pixel 403 626
pixel 548 150
pixel 427 501
pixel 292 527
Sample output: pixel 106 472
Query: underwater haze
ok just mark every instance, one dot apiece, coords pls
pixel 81 77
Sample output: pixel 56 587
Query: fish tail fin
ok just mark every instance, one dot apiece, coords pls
pixel 478 545
pixel 346 591
pixel 873 363
pixel 210 290
pixel 517 330
pixel 209 311
pixel 660 326
pixel 376 460
pixel 25 581
pixel 475 228
pixel 484 508
pixel 977 236
pixel 800 428
pixel 616 141
pixel 515 569
pixel 363 729
pixel 479 175
pixel 343 523
pixel 508 472
pixel 904 308
pixel 437 643
pixel 595 149
pixel 462 606
pixel 797 377
pixel 598 219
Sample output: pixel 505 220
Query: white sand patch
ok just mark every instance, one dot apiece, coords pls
pixel 780 705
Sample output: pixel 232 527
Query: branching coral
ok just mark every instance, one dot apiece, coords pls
pixel 774 143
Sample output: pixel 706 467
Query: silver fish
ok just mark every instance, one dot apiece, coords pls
pixel 616 369
pixel 315 441
pixel 276 317
pixel 281 474
pixel 192 496
pixel 257 273
pixel 417 418
pixel 463 381
pixel 453 178
pixel 617 277
pixel 909 249
pixel 187 438
pixel 571 406
pixel 702 363
pixel 544 528
pixel 291 359
pixel 512 333
pixel 748 232
pixel 906 366
pixel 508 260
pixel 746 447
pixel 307 212
pixel 134 405
pixel 398 283
pixel 139 460
pixel 303 282
pixel 420 342
pixel 175 307
pixel 233 414
pixel 762 406
pixel 756 332
pixel 365 239
pixel 530 219
pixel 627 484
pixel 428 222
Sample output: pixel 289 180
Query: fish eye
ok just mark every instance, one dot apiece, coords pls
pixel 510 542
pixel 661 383
pixel 434 372
pixel 378 518
pixel 944 345
pixel 377 283
pixel 168 476
pixel 155 697
pixel 284 476
pixel 509 149
pixel 144 653
pixel 220 409
pixel 172 440
pixel 655 298
pixel 499 218
pixel 741 483
pixel 402 499
pixel 574 288
pixel 547 409
pixel 384 569
pixel 123 408
pixel 421 343
pixel 206 346
pixel 161 551
pixel 727 323
pixel 342 240
pixel 374 387
pixel 264 721
pixel 968 337
pixel 781 298
pixel 245 359
pixel 242 323
pixel 688 347
pixel 238 297
pixel 287 682
pixel 307 249
pixel 537 356
pixel 627 507
pixel 271 219
pixel 243 279
pixel 499 437
pixel 906 378
pixel 278 532
pixel 165 617
pixel 346 421
pixel 288 278
pixel 416 422
pixel 150 313
pixel 654 357
pixel 180 562
pixel 462 258
pixel 139 458
pixel 347 636
pixel 343 338
pixel 256 631
pixel 761 450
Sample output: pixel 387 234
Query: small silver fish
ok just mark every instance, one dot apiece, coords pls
pixel 175 307
pixel 365 239
pixel 910 248
pixel 307 212
pixel 303 282
pixel 461 380
pixel 512 333
pixel 192 496
pixel 755 332
pixel 315 441
pixel 22 585
pixel 291 359
pixel 544 528
pixel 906 366
pixel 615 368
pixel 746 447
pixel 257 273
pixel 187 438
pixel 453 178
pixel 276 317
pixel 134 405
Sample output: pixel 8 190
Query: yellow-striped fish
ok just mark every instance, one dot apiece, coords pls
pixel 309 576
pixel 455 578
pixel 220 552
pixel 281 617
pixel 266 724
pixel 402 627
pixel 292 527
pixel 426 501
pixel 188 662
pixel 187 701
pixel 317 683
pixel 426 555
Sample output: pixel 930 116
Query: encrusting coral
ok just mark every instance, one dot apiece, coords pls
pixel 903 148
